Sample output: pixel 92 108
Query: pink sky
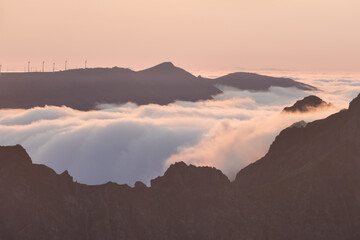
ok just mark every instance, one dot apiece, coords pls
pixel 201 36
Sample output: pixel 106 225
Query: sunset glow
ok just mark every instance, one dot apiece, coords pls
pixel 201 36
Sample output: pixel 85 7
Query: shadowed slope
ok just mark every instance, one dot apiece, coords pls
pixel 310 178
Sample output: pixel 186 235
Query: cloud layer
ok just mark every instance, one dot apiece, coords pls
pixel 129 143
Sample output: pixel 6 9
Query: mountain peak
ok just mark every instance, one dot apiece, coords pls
pixel 66 176
pixel 166 65
pixel 162 67
pixel 182 175
pixel 307 104
pixel 14 155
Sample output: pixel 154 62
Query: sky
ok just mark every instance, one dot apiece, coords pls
pixel 200 36
pixel 128 143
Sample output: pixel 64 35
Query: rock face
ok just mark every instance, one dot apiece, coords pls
pixel 83 89
pixel 306 187
pixel 306 104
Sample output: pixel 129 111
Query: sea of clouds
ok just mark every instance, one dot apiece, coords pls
pixel 128 143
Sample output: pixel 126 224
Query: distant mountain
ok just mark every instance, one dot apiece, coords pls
pixel 256 82
pixel 84 89
pixel 306 104
pixel 306 187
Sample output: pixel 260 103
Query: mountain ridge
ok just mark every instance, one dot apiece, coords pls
pixel 85 89
pixel 262 83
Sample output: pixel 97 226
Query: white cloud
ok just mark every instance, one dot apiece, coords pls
pixel 129 143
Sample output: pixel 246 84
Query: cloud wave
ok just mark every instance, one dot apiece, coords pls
pixel 129 143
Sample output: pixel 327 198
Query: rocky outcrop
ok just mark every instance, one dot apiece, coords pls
pixel 307 104
pixel 180 175
pixel 300 124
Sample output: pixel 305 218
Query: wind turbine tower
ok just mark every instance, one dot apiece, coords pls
pixel 43 64
pixel 85 64
pixel 28 66
pixel 53 66
pixel 65 64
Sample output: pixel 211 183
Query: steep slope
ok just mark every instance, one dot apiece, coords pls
pixel 310 178
pixel 307 104
pixel 304 145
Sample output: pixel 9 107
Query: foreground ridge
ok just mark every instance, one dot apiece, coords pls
pixel 306 187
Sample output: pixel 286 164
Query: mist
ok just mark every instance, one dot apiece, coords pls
pixel 128 143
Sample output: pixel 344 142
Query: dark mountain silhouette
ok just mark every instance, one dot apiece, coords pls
pixel 310 178
pixel 84 89
pixel 256 82
pixel 306 187
pixel 306 104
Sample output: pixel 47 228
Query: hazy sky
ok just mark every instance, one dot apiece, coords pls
pixel 199 35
